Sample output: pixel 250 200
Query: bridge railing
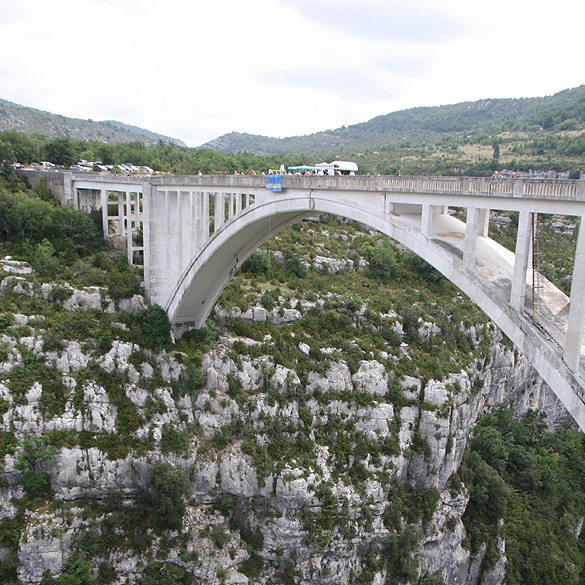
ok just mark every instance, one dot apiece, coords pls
pixel 518 187
pixel 530 188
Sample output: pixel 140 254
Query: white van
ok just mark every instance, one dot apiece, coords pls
pixel 337 167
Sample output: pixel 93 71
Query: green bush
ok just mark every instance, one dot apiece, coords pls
pixel 219 536
pixel 156 327
pixel 164 498
pixel 383 262
pixel 296 266
pixel 36 485
pixel 77 572
pixel 257 263
pixel 34 453
pixel 164 574
pixel 269 300
pixel 45 262
pixel 123 285
pixel 173 441
pixel 432 579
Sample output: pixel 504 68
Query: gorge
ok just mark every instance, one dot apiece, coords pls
pixel 317 430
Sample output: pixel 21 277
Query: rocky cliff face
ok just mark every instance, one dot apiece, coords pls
pixel 335 475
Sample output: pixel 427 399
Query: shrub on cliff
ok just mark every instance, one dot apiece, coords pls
pixel 383 262
pixel 156 327
pixel 164 499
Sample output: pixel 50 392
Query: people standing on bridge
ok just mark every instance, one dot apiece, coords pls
pixel 252 172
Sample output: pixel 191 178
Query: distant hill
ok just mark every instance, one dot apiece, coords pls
pixel 31 121
pixel 151 136
pixel 562 111
pixel 544 134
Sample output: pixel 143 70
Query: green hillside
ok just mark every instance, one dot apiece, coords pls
pixel 562 111
pixel 31 121
pixel 471 137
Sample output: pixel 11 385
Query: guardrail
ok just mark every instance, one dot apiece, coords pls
pixel 530 188
pixel 561 189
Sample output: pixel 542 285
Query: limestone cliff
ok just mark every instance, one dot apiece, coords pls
pixel 336 474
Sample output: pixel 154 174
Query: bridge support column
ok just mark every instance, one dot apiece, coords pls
pixel 157 245
pixel 69 193
pixel 175 260
pixel 232 200
pixel 523 248
pixel 183 228
pixel 219 211
pixel 428 213
pixel 128 220
pixel 201 219
pixel 426 221
pixel 147 218
pixel 121 226
pixel 104 202
pixel 194 228
pixel 574 338
pixel 471 233
pixel 204 216
pixel 191 225
pixel 483 223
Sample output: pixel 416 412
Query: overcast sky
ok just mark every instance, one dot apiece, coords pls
pixel 197 70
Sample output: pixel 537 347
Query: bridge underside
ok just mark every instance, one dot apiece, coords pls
pixel 200 287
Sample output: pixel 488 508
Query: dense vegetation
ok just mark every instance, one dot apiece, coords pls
pixel 533 481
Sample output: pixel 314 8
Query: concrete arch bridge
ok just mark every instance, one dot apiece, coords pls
pixel 199 229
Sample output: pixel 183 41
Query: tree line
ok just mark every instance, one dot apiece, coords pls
pixel 16 147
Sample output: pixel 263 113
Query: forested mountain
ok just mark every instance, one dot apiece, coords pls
pixel 470 137
pixel 562 111
pixel 31 121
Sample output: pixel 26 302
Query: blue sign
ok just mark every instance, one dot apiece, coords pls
pixel 274 183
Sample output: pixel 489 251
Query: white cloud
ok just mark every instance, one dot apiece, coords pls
pixel 197 70
pixel 413 22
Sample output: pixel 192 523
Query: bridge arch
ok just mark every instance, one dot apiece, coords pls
pixel 209 272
